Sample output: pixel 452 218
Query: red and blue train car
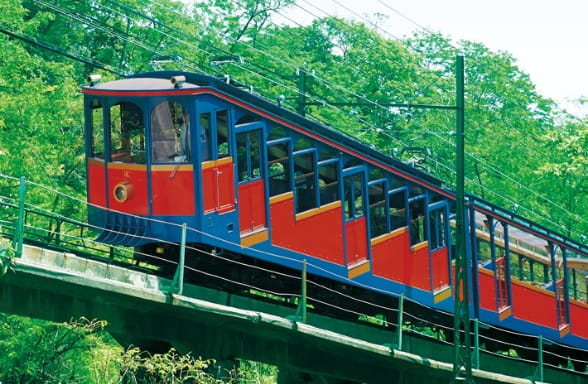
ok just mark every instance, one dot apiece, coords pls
pixel 249 177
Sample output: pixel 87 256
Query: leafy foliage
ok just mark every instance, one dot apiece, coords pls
pixel 81 351
pixel 36 351
pixel 6 255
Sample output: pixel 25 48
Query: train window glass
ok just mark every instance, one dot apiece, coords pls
pixel 204 129
pixel 127 133
pixel 170 133
pixel 395 182
pixel 484 252
pixel 437 229
pixel 417 221
pixel 353 194
pixel 277 132
pixel 97 130
pixel 247 118
pixel 358 193
pixel 254 154
pixel 377 202
pixel 397 209
pixel 279 168
pixel 352 162
pixel 328 153
pixel 328 182
pixel 222 134
pixel 376 173
pixel 515 271
pixel 302 143
pixel 242 172
pixel 304 181
pixel 248 159
pixel 416 191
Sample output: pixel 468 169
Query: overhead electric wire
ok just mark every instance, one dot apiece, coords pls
pixel 328 84
pixel 61 52
pixel 492 167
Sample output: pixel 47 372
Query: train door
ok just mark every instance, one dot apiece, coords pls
pixel 212 139
pixel 251 183
pixel 354 223
pixel 172 172
pixel 439 250
pixel 502 277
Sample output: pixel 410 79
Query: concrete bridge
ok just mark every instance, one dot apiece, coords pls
pixel 140 310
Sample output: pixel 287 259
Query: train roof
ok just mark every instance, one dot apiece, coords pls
pixel 230 88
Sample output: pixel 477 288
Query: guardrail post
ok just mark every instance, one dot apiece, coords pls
pixel 400 321
pixel 301 310
pixel 18 232
pixel 539 371
pixel 476 344
pixel 178 282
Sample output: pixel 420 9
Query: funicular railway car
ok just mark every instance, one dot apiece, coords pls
pixel 254 179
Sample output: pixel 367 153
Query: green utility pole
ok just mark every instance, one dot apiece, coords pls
pixel 462 365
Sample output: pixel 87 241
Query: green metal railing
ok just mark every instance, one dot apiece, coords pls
pixel 22 222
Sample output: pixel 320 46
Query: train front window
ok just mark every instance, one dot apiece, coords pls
pixel 170 133
pixel 97 130
pixel 127 133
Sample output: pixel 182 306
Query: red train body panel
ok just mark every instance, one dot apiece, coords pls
pixel 306 234
pixel 177 181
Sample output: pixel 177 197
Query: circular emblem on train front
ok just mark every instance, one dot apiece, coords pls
pixel 123 191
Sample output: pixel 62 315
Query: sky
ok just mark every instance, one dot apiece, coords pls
pixel 547 38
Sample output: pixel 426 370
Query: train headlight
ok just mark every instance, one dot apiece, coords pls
pixel 94 79
pixel 177 81
pixel 123 191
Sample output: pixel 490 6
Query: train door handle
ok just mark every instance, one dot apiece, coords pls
pixel 217 187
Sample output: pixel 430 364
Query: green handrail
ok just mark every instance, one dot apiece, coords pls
pixel 19 229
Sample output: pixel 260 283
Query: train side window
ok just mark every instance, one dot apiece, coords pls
pixel 204 133
pixel 397 208
pixel 328 153
pixel 329 181
pixel 417 220
pixel 304 181
pixel 248 155
pixel 222 133
pixel 377 203
pixel 437 229
pixel 170 133
pixel 279 167
pixel 277 132
pixel 97 129
pixel 353 194
pixel 127 133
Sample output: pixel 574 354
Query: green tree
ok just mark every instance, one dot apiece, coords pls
pixel 565 174
pixel 35 351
